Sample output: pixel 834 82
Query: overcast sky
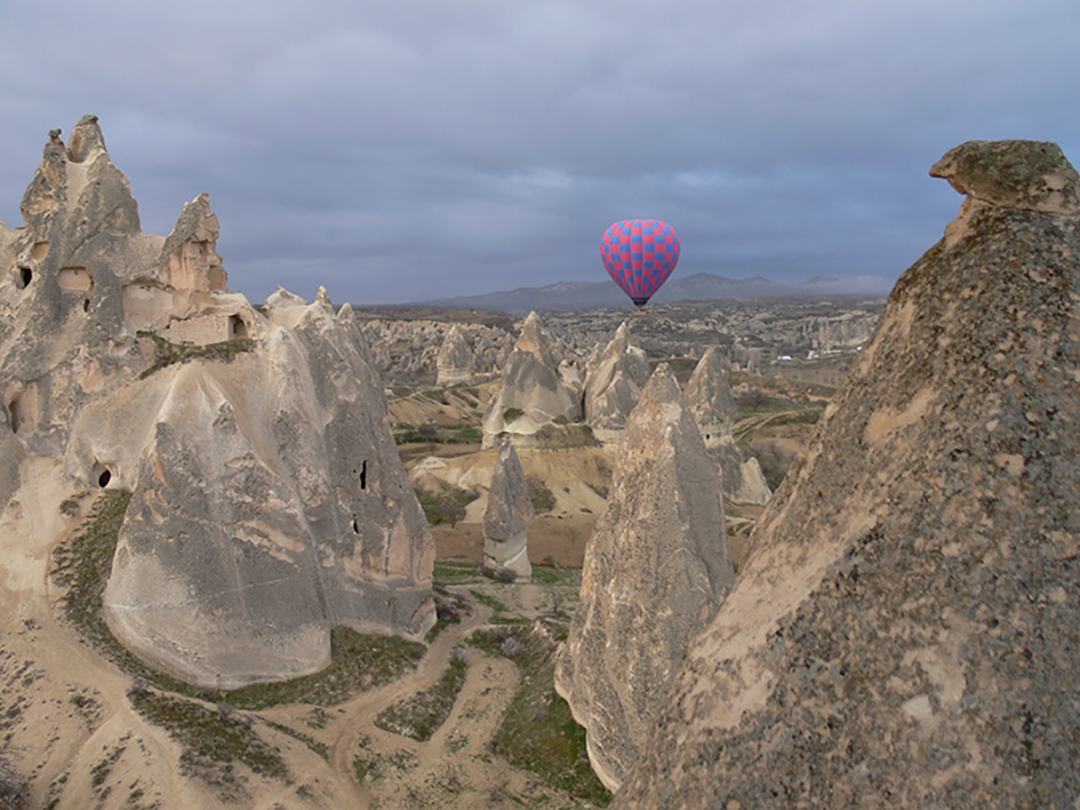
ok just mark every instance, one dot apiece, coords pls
pixel 397 151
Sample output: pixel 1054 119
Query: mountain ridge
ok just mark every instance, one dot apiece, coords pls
pixel 697 287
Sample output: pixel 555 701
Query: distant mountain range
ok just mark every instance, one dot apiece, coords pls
pixel 698 287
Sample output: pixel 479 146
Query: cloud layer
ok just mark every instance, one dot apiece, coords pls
pixel 413 150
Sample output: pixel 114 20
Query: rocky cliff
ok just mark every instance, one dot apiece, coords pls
pixel 656 569
pixel 268 500
pixel 904 632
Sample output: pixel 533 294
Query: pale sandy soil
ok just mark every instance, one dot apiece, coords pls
pixel 67 726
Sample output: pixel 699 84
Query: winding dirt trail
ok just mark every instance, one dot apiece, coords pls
pixel 360 713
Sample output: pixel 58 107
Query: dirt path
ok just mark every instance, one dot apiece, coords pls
pixel 359 714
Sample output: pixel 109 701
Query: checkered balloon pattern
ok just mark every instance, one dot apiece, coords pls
pixel 639 255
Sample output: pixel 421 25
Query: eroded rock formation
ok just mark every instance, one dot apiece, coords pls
pixel 533 393
pixel 903 633
pixel 268 502
pixel 508 515
pixel 613 385
pixel 455 360
pixel 709 397
pixel 656 569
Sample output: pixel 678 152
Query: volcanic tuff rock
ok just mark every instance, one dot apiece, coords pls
pixel 408 351
pixel 708 395
pixel 656 569
pixel 455 360
pixel 904 632
pixel 613 385
pixel 709 398
pixel 533 392
pixel 268 502
pixel 508 515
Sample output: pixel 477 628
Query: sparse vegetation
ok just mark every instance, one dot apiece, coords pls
pixel 358 663
pixel 543 499
pixel 538 732
pixel 455 573
pixel 511 414
pixel 490 601
pixel 319 748
pixel 166 353
pixel 211 740
pixel 420 715
pixel 447 506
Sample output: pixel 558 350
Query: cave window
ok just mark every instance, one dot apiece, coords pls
pixel 101 474
pixel 237 327
pixel 16 417
pixel 26 275
pixel 355 524
pixel 363 475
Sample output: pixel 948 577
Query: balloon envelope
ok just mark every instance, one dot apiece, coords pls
pixel 639 255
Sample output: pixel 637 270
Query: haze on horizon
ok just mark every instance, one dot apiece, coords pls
pixel 420 150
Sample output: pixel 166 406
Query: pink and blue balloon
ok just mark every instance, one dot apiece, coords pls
pixel 639 255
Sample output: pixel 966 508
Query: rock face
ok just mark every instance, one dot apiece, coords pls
pixel 533 392
pixel 656 569
pixel 904 632
pixel 269 503
pixel 455 361
pixel 613 385
pixel 709 397
pixel 508 515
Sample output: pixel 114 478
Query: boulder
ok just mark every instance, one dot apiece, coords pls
pixel 455 360
pixel 268 500
pixel 508 515
pixel 613 385
pixel 532 394
pixel 656 569
pixel 904 631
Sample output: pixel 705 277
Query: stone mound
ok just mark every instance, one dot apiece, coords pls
pixel 904 631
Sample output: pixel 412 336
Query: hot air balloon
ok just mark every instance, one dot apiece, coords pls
pixel 639 255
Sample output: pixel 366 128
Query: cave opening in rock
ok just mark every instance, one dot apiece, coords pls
pixel 237 327
pixel 363 475
pixel 101 474
pixel 26 275
pixel 16 417
pixel 355 524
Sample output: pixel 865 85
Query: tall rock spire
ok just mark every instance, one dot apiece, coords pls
pixel 904 632
pixel 656 569
pixel 508 515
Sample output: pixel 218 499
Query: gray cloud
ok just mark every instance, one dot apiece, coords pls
pixel 421 149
